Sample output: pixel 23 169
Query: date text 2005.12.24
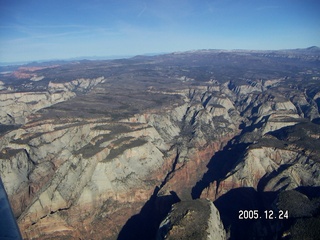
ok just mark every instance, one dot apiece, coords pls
pixel 267 214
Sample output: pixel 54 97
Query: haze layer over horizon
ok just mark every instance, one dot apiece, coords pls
pixel 33 30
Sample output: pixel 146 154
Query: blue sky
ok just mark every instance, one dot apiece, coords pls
pixel 55 29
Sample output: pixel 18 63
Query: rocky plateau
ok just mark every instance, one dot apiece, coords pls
pixel 164 147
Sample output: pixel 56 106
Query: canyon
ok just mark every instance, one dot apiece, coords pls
pixel 142 148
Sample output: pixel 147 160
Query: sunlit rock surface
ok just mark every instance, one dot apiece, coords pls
pixel 196 219
pixel 104 148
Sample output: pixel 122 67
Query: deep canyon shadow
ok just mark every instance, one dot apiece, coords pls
pixel 219 165
pixel 144 226
pixel 247 198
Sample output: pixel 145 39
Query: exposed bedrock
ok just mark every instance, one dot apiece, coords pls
pixel 16 107
pixel 73 176
pixel 283 159
pixel 80 174
pixel 196 219
pixel 265 177
pixel 108 156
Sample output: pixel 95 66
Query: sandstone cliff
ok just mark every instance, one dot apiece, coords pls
pixel 76 172
pixel 79 155
pixel 16 107
pixel 285 159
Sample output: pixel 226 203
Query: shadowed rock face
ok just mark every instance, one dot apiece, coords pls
pixel 91 148
pixel 281 215
pixel 281 160
pixel 196 219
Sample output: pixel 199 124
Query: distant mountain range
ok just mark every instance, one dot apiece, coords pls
pixel 45 62
pixel 62 61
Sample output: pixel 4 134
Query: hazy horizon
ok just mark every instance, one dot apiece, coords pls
pixel 114 57
pixel 47 30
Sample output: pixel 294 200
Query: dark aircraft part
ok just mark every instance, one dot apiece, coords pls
pixel 8 225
